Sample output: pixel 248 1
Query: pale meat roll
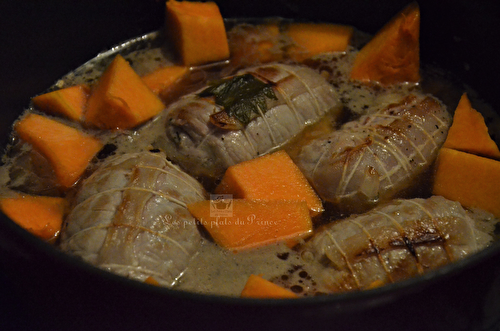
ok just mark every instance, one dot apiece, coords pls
pixel 130 218
pixel 375 158
pixel 393 242
pixel 203 149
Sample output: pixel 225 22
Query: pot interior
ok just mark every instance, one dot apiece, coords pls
pixel 455 36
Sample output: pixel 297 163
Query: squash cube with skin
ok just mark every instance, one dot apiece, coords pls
pixel 121 100
pixel 469 133
pixel 469 179
pixel 251 44
pixel 310 39
pixel 258 287
pixel 68 102
pixel 393 55
pixel 254 223
pixel 197 31
pixel 270 177
pixel 40 215
pixel 163 78
pixel 67 149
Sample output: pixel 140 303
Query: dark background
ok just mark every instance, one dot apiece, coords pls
pixel 42 289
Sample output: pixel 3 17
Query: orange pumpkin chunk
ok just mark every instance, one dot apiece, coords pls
pixel 393 54
pixel 258 287
pixel 469 133
pixel 269 177
pixel 40 215
pixel 253 223
pixel 197 31
pixel 163 78
pixel 311 39
pixel 67 149
pixel 68 102
pixel 121 100
pixel 375 284
pixel 151 281
pixel 252 44
pixel 469 179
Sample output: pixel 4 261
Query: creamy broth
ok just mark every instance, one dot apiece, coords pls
pixel 214 270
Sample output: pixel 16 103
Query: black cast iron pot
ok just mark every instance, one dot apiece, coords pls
pixel 41 288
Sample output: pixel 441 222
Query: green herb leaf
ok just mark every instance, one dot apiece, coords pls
pixel 243 97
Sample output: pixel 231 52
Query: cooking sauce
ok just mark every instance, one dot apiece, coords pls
pixel 214 270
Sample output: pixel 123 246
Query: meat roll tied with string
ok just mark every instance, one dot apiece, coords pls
pixel 377 157
pixel 243 116
pixel 391 243
pixel 130 218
